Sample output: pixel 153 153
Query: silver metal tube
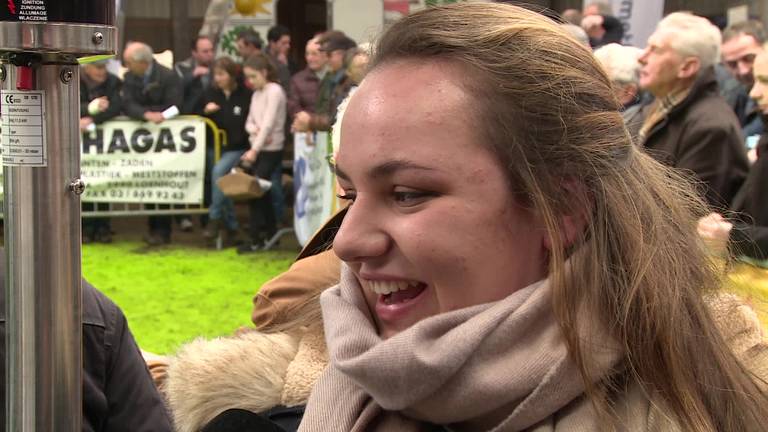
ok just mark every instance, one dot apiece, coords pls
pixel 42 242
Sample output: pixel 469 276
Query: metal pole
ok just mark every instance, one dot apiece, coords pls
pixel 40 42
pixel 42 241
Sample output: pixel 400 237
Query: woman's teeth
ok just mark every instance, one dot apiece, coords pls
pixel 388 287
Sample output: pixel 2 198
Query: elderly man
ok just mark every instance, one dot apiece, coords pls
pixel 742 42
pixel 148 91
pixel 688 125
pixel 335 44
pixel 620 62
pixel 305 85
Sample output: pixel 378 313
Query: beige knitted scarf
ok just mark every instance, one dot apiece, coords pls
pixel 500 366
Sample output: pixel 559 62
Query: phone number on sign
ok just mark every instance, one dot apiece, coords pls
pixel 137 194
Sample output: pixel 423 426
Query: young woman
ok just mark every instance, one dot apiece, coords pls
pixel 226 103
pixel 265 127
pixel 512 262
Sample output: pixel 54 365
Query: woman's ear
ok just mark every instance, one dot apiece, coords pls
pixel 573 221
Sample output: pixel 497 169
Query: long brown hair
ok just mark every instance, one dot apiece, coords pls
pixel 546 109
pixel 261 62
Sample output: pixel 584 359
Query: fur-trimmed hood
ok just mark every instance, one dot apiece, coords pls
pixel 252 370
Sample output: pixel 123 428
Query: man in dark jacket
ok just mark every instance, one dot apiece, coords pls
pixel 745 231
pixel 150 89
pixel 742 42
pixel 100 100
pixel 196 74
pixel 688 125
pixel 118 392
pixel 278 50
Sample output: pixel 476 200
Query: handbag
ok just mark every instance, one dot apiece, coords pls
pixel 241 186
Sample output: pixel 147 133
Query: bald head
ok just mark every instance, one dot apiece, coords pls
pixel 137 56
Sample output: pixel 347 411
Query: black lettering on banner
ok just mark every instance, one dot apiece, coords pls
pixel 141 140
pixel 90 141
pixel 188 139
pixel 624 15
pixel 118 142
pixel 165 141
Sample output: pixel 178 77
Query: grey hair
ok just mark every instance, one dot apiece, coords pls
pixel 577 32
pixel 620 62
pixel 693 36
pixel 142 52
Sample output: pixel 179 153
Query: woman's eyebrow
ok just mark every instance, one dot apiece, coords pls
pixel 386 169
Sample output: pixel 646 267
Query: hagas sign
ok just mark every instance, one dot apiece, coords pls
pixel 129 161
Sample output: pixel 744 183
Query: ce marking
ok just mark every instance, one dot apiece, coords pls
pixel 10 100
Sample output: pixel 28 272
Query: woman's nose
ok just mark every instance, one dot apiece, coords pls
pixel 362 235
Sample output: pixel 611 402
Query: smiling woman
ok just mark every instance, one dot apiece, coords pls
pixel 511 260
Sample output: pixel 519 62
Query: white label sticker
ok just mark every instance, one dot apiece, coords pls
pixel 23 128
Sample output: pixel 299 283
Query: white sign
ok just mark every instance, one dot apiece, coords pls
pixel 313 184
pixel 23 128
pixel 738 14
pixel 130 161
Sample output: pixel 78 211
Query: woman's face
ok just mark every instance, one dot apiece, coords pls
pixel 222 79
pixel 256 78
pixel 433 227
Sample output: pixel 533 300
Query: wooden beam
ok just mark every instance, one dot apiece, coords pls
pixel 180 29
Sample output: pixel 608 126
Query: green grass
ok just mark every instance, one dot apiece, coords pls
pixel 172 295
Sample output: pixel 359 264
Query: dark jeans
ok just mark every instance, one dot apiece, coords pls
pixel 262 212
pixel 278 194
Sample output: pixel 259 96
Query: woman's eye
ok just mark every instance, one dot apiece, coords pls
pixel 347 196
pixel 410 197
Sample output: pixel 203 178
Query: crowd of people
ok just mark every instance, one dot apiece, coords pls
pixel 686 101
pixel 258 100
pixel 528 236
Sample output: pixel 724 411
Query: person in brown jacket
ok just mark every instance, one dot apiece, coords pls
pixel 333 88
pixel 305 85
pixel 689 126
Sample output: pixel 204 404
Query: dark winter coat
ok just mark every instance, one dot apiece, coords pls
pixel 118 392
pixel 193 87
pixel 702 135
pixel 749 235
pixel 231 116
pixel 163 90
pixel 109 88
